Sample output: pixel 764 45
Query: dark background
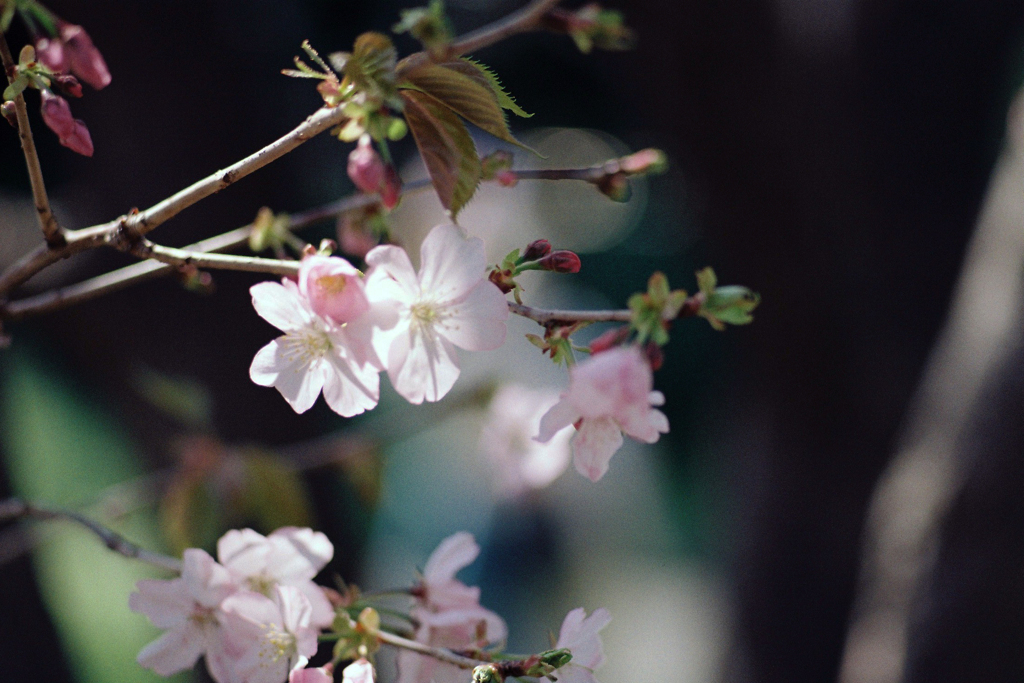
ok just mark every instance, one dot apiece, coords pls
pixel 831 155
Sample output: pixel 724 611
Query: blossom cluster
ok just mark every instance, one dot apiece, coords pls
pixel 342 328
pixel 255 615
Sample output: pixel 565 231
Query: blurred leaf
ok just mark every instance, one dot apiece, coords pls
pixel 273 493
pixel 185 400
pixel 446 147
pixel 189 514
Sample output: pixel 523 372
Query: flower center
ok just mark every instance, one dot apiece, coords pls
pixel 331 284
pixel 261 583
pixel 306 345
pixel 277 643
pixel 203 616
pixel 423 313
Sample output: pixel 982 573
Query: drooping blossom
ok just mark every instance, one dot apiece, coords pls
pixel 72 50
pixel 287 557
pixel 521 463
pixel 449 304
pixel 314 354
pixel 71 132
pixel 188 607
pixel 449 614
pixel 263 639
pixel 580 635
pixel 609 393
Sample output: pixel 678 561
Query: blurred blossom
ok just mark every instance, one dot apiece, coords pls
pixel 71 131
pixel 580 635
pixel 519 462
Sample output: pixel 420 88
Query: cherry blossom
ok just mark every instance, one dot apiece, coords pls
pixel 188 607
pixel 314 354
pixel 262 639
pixel 288 557
pixel 333 287
pixel 449 304
pixel 579 635
pixel 609 393
pixel 310 675
pixel 520 462
pixel 449 613
pixel 72 50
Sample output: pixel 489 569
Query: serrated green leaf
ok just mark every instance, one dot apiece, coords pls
pixel 505 100
pixel 466 96
pixel 446 147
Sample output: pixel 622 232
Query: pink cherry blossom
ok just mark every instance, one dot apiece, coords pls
pixel 315 354
pixel 370 174
pixel 288 557
pixel 333 287
pixel 449 613
pixel 263 640
pixel 449 304
pixel 188 607
pixel 609 393
pixel 71 132
pixel 359 671
pixel 580 635
pixel 521 463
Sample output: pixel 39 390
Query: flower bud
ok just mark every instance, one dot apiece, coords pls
pixel 610 339
pixel 69 84
pixel 615 187
pixel 50 53
pixel 365 167
pixel 85 60
pixel 391 191
pixel 10 113
pixel 562 261
pixel 536 249
pixel 71 132
pixel 507 178
pixel 487 673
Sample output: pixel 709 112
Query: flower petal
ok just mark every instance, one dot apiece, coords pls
pixel 279 305
pixel 299 383
pixel 207 581
pixel 558 417
pixel 313 547
pixel 452 554
pixel 579 633
pixel 422 367
pixel 166 603
pixel 477 321
pixel 390 262
pixel 450 263
pixel 349 390
pixel 594 445
pixel 176 650
pixel 244 551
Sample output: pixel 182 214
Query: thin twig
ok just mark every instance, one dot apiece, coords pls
pixel 47 222
pixel 13 508
pixel 183 257
pixel 526 19
pixel 437 653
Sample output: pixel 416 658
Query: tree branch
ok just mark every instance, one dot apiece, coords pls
pixel 182 257
pixel 526 19
pixel 13 508
pixel 52 232
pixel 437 653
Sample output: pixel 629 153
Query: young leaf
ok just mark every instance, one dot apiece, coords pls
pixel 472 68
pixel 446 147
pixel 466 96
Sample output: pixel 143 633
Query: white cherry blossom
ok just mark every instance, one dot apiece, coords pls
pixel 580 635
pixel 188 607
pixel 315 354
pixel 449 304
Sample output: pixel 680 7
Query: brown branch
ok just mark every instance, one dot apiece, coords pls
pixel 438 653
pixel 52 232
pixel 544 316
pixel 183 257
pixel 13 508
pixel 526 19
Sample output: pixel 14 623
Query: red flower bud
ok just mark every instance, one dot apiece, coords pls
pixel 655 356
pixel 561 262
pixel 365 167
pixel 507 178
pixel 69 84
pixel 609 340
pixel 9 113
pixel 391 191
pixel 85 60
pixel 71 131
pixel 536 249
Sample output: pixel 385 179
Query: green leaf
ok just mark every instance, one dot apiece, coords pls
pixel 446 147
pixel 706 281
pixel 15 88
pixel 371 66
pixel 467 97
pixel 473 68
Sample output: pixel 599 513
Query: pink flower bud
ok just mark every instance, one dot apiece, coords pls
pixel 561 262
pixel 536 249
pixel 69 84
pixel 333 287
pixel 71 131
pixel 507 178
pixel 10 113
pixel 365 167
pixel 85 60
pixel 609 340
pixel 50 53
pixel 391 191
